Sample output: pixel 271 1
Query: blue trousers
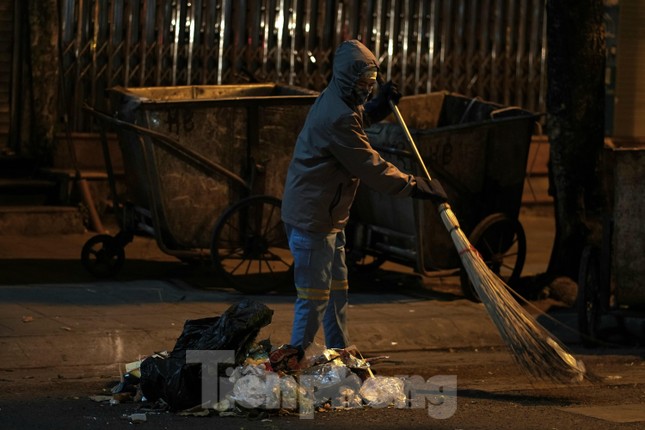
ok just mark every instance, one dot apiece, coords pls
pixel 320 276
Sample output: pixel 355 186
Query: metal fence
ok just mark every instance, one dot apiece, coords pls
pixel 494 49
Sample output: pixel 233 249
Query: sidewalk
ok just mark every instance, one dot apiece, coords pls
pixel 53 315
pixel 65 336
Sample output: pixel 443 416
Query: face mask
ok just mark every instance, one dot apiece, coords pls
pixel 362 90
pixel 360 95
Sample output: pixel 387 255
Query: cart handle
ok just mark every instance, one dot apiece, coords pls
pixel 199 161
pixel 499 111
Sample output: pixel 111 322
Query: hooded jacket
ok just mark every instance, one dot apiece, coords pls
pixel 332 153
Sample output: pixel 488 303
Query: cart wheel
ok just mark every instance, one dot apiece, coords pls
pixel 102 256
pixel 502 244
pixel 250 246
pixel 588 300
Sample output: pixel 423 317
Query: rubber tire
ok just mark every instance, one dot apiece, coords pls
pixel 496 248
pixel 104 261
pixel 230 252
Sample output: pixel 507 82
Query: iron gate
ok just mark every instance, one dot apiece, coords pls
pixel 494 49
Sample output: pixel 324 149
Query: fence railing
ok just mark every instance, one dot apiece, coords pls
pixel 494 49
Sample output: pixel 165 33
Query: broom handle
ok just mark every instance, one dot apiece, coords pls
pixel 408 136
pixel 443 206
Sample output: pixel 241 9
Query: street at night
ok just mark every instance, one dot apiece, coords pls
pixel 67 336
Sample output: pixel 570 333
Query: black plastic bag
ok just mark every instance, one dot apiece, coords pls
pixel 178 383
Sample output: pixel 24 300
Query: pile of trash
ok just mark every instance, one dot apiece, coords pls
pixel 217 366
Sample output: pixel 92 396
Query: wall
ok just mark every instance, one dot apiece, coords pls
pixel 630 70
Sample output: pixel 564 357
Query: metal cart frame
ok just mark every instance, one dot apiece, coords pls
pixel 246 239
pixel 611 274
pixel 484 138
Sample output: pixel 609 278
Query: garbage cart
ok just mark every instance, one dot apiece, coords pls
pixel 610 281
pixel 204 170
pixel 478 150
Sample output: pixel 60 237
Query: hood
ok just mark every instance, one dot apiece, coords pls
pixel 351 59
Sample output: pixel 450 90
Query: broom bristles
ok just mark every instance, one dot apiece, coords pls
pixel 535 349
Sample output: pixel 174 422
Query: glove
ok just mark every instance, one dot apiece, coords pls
pixel 429 190
pixel 389 91
pixel 379 107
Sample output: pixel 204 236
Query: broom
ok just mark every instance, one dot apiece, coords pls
pixel 534 348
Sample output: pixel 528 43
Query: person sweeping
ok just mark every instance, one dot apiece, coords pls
pixel 331 157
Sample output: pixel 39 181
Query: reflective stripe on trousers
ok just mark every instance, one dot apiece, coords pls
pixel 320 276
